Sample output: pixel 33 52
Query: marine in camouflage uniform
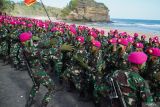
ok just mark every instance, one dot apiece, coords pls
pixel 78 71
pixel 121 54
pixel 4 45
pixel 136 39
pixel 56 40
pixel 144 42
pixel 96 73
pixel 74 74
pixel 152 72
pixel 110 55
pixel 40 77
pixel 128 88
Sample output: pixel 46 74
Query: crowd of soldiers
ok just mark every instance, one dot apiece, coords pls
pixel 121 68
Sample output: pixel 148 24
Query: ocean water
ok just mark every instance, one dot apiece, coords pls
pixel 134 25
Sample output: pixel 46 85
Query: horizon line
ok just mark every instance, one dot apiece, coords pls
pixel 134 18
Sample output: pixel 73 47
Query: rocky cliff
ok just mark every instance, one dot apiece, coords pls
pixel 89 10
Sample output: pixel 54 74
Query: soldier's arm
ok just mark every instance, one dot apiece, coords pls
pixel 146 95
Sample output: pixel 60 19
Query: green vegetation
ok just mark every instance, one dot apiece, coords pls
pixel 71 6
pixel 35 10
pixel 20 9
pixel 6 6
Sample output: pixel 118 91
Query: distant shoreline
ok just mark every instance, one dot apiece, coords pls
pixel 106 29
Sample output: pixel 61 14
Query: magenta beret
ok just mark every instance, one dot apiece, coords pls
pixel 143 36
pixel 137 57
pixel 154 51
pixel 139 45
pixel 73 30
pixel 80 39
pixel 96 43
pixel 25 36
pixel 135 34
pixel 93 34
pixel 113 41
pixel 29 25
pixel 123 41
pixel 130 39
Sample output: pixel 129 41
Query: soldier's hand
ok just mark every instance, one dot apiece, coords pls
pixel 67 47
pixel 53 42
pixel 75 57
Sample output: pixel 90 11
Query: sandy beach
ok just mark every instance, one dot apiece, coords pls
pixel 106 28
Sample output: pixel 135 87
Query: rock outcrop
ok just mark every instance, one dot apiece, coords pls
pixel 89 10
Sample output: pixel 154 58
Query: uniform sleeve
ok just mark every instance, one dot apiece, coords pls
pixel 100 63
pixel 146 94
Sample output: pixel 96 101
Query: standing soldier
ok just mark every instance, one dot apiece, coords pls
pixel 95 75
pixel 75 73
pixel 109 55
pixel 144 41
pixel 152 72
pixel 38 74
pixel 129 89
pixel 56 40
pixel 121 54
pixel 136 39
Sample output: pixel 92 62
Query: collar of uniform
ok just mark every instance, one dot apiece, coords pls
pixel 135 69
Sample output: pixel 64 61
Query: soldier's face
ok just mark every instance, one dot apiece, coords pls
pixel 114 47
pixel 139 49
pixel 150 40
pixel 123 48
pixel 26 43
pixel 94 49
pixel 154 58
pixel 23 43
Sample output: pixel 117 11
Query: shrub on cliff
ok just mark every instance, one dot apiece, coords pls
pixel 71 6
pixel 6 6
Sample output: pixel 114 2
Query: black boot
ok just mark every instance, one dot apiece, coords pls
pixel 29 102
pixel 44 104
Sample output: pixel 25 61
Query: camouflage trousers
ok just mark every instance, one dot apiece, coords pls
pixel 42 78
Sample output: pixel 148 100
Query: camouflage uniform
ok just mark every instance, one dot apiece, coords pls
pixel 40 77
pixel 133 87
pixel 75 73
pixel 121 62
pixel 111 58
pixel 56 54
pixel 4 45
pixel 151 73
pixel 96 75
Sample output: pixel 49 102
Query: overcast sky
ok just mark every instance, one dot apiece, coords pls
pixel 132 9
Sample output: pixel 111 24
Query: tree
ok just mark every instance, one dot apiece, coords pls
pixel 73 4
pixel 6 5
pixel 70 7
pixel 66 10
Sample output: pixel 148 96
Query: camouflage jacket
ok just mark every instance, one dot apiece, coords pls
pixel 97 63
pixel 133 87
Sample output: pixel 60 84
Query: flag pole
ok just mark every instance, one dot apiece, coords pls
pixel 45 10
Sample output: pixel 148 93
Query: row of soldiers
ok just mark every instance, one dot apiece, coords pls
pixel 118 67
